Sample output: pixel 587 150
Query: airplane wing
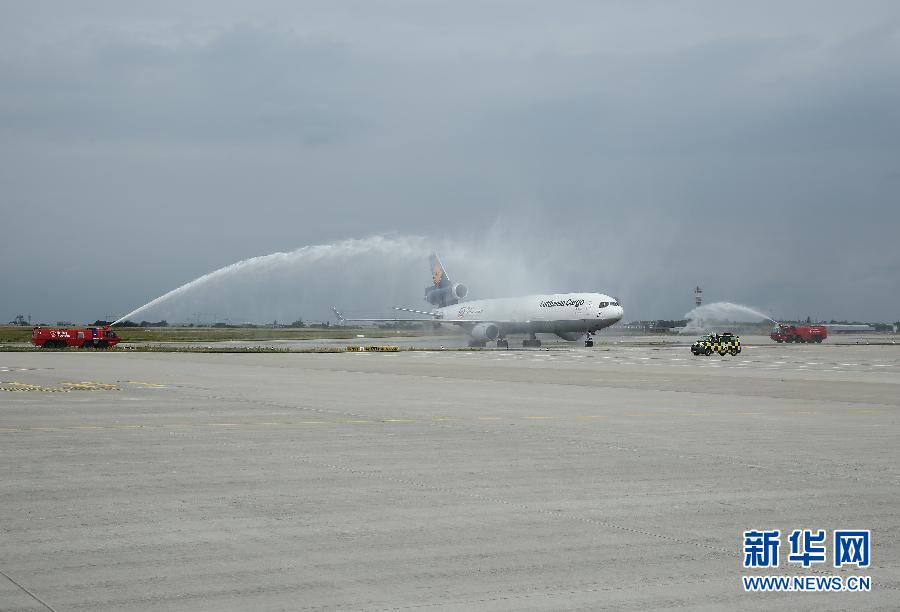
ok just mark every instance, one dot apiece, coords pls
pixel 340 317
pixel 456 321
pixel 355 320
pixel 422 312
pixel 435 319
pixel 461 321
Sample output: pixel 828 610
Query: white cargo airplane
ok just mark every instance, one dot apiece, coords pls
pixel 568 315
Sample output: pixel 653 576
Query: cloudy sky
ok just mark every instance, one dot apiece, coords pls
pixel 635 148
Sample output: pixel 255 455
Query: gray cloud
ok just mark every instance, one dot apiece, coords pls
pixel 635 150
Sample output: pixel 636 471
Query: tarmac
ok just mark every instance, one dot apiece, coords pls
pixel 619 477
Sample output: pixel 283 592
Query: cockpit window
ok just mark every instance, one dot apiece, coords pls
pixel 604 304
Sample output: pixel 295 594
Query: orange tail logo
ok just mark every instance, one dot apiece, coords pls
pixel 437 275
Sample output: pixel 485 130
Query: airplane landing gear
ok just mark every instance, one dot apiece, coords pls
pixel 502 343
pixel 531 342
pixel 589 340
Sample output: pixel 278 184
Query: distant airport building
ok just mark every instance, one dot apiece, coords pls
pixel 845 328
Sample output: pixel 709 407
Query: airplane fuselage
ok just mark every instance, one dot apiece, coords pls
pixel 564 314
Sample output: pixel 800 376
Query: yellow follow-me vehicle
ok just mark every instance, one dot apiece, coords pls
pixel 722 344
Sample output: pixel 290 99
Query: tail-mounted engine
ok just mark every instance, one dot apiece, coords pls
pixel 446 296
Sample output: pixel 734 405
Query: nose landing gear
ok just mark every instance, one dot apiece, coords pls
pixel 589 340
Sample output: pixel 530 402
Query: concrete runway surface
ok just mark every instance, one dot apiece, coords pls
pixel 618 477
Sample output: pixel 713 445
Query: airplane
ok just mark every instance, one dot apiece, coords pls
pixel 568 315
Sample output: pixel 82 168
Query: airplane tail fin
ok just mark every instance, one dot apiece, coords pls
pixel 442 291
pixel 438 274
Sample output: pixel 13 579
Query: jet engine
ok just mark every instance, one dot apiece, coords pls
pixel 446 296
pixel 485 331
pixel 570 335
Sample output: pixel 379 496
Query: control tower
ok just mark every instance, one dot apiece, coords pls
pixel 698 302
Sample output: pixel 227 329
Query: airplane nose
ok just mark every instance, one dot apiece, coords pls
pixel 618 313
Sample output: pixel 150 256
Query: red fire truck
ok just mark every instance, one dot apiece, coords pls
pixel 87 337
pixel 799 333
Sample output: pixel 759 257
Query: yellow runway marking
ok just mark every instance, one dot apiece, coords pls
pixel 149 385
pixel 90 385
pixel 65 387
